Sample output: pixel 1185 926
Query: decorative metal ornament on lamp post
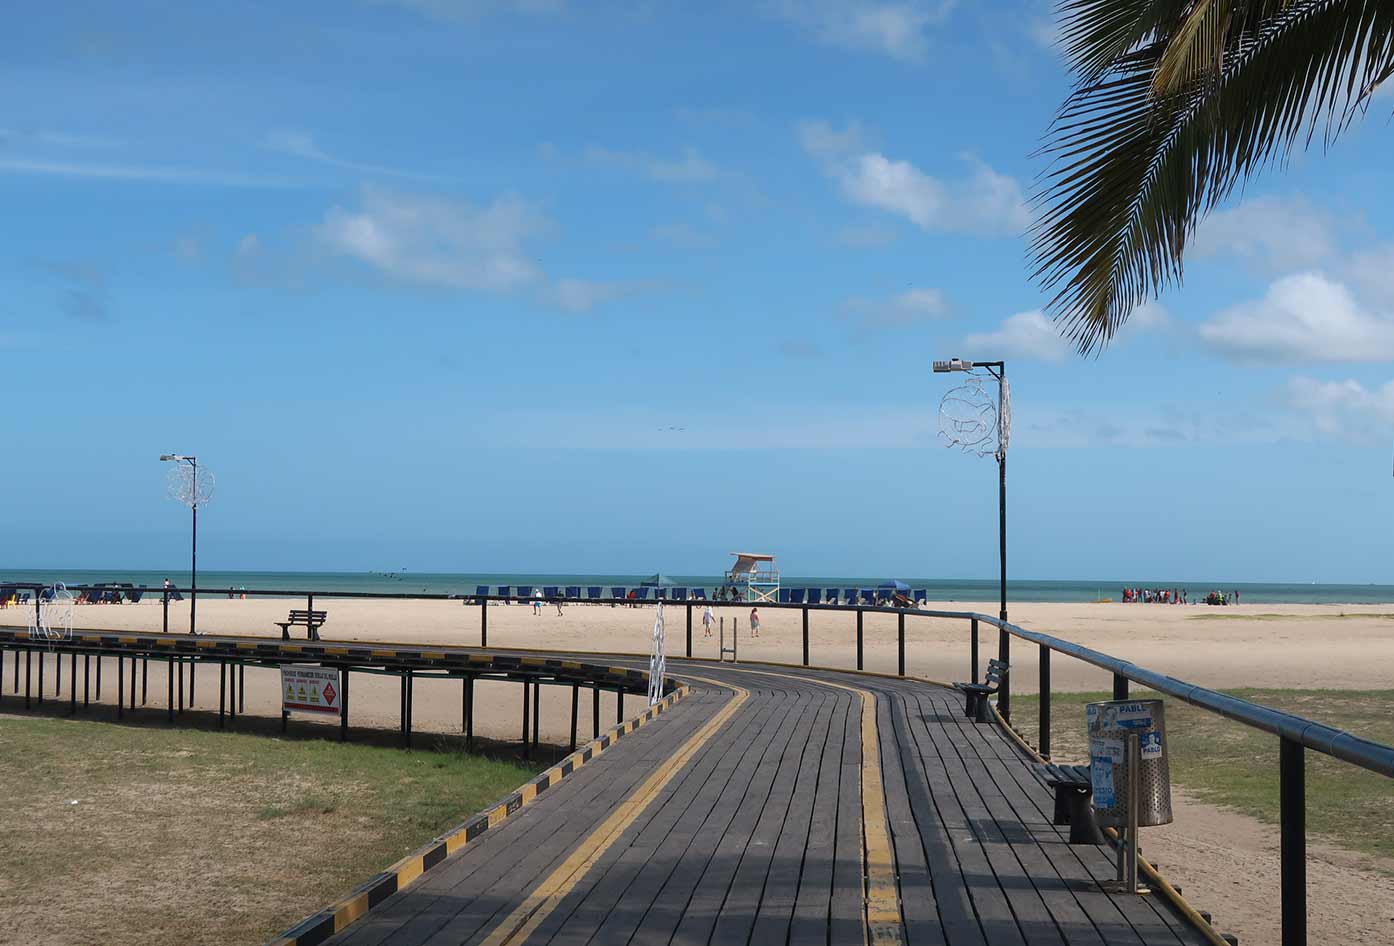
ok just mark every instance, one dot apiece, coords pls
pixel 191 486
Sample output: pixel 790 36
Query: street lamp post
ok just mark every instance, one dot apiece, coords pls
pixel 192 499
pixel 998 370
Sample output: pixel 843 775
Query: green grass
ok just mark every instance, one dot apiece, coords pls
pixel 173 836
pixel 1229 764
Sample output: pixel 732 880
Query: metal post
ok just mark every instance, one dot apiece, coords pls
pixel 900 645
pixel 144 680
pixel 575 706
pixel 87 678
pixel 343 703
pixel 619 705
pixel 859 638
pixel 595 712
pixel 27 674
pixel 483 622
pixel 100 660
pixel 689 637
pixel 72 684
pixel 133 685
pixel 222 692
pixel 1120 687
pixel 805 637
pixel 166 610
pixel 1134 794
pixel 1292 804
pixel 193 563
pixel 1004 693
pixel 41 678
pixel 469 712
pixel 180 661
pixel 169 701
pixel 1045 701
pixel 241 688
pixel 536 710
pixel 411 704
pixel 120 685
pixel 973 654
pixel 232 690
pixel 527 748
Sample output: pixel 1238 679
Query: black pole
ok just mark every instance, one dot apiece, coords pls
pixel 527 748
pixel 469 713
pixel 859 638
pixel 28 672
pixel 411 704
pixel 689 645
pixel 133 684
pixel 973 658
pixel 1045 701
pixel 576 700
pixel 1002 531
pixel 1120 687
pixel 170 699
pixel 193 563
pixel 483 622
pixel 41 678
pixel 1292 803
pixel 100 659
pixel 805 637
pixel 87 678
pixel 536 711
pixel 222 692
pixel 900 644
pixel 165 606
pixel 120 687
pixel 1004 691
pixel 619 705
pixel 72 684
pixel 232 690
pixel 180 661
pixel 343 703
pixel 144 680
pixel 241 688
pixel 57 676
pixel 595 709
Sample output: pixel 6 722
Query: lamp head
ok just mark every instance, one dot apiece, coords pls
pixel 953 364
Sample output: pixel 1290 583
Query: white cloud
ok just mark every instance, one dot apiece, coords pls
pixel 1274 234
pixel 1023 335
pixel 687 167
pixel 1304 317
pixel 133 172
pixel 301 144
pixel 1373 271
pixel 579 295
pixel 1344 410
pixel 983 202
pixel 895 28
pixel 902 309
pixel 437 242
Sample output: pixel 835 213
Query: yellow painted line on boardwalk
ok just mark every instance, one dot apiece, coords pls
pixel 521 923
pixel 883 920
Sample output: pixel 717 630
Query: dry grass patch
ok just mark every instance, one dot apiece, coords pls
pixel 122 835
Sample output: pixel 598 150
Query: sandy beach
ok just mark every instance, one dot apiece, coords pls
pixel 1215 853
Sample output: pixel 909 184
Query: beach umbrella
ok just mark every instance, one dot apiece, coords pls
pixel 893 586
pixel 658 580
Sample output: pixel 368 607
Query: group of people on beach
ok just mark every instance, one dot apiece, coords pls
pixel 1174 596
pixel 709 619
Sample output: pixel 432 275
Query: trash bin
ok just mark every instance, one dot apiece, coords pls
pixel 1111 724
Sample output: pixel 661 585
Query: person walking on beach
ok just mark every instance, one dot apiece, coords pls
pixel 537 602
pixel 754 623
pixel 707 618
pixel 557 602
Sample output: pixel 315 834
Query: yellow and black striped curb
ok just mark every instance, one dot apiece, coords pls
pixel 337 916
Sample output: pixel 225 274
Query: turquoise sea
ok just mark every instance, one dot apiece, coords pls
pixel 940 589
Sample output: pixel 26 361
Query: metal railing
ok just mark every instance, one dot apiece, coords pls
pixel 1296 734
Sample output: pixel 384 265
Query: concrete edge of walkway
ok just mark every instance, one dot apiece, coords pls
pixel 341 914
pixel 1169 893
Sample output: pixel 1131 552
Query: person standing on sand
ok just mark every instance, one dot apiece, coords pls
pixel 557 602
pixel 754 623
pixel 537 602
pixel 707 618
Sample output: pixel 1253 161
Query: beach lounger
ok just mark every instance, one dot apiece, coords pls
pixel 830 595
pixel 920 595
pixel 641 594
pixel 593 592
pixel 573 591
pixel 868 597
pixel 849 596
pixel 524 591
pixel 783 596
pixel 699 594
pixel 551 592
pixel 481 591
pixel 176 595
pixel 815 596
pixel 616 592
pixel 679 594
pixel 504 591
pixel 135 594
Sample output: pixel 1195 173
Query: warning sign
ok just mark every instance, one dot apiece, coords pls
pixel 310 689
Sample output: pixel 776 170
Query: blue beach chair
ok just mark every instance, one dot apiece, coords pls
pixel 481 591
pixel 551 592
pixel 503 592
pixel 525 591
pixel 815 596
pixel 783 596
pixel 868 596
pixel 573 591
pixel 616 592
pixel 699 594
pixel 593 592
pixel 641 594
pixel 135 594
pixel 679 594
pixel 920 595
pixel 796 595
pixel 849 596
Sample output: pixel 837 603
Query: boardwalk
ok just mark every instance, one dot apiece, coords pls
pixel 784 806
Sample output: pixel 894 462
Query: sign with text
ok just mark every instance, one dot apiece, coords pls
pixel 310 690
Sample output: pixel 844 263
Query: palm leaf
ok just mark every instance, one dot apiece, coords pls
pixel 1143 149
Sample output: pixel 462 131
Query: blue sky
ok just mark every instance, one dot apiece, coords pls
pixel 534 285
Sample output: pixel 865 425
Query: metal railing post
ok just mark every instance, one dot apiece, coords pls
pixel 1045 701
pixel 1292 794
pixel 859 638
pixel 1004 694
pixel 900 644
pixel 805 637
pixel 973 658
pixel 166 610
pixel 1120 687
pixel 483 622
pixel 689 634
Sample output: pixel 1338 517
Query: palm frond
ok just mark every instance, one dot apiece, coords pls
pixel 1138 162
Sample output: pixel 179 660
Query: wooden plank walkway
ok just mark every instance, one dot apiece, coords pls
pixel 761 838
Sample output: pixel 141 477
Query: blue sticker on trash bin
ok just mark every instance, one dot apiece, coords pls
pixel 1150 745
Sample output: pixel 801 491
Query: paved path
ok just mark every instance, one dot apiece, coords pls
pixel 784 806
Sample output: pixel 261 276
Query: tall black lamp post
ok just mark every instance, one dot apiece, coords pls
pixel 998 370
pixel 190 496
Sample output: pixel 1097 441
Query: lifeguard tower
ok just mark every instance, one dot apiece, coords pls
pixel 753 577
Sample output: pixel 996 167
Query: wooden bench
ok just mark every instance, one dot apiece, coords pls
pixel 1074 803
pixel 976 706
pixel 311 621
